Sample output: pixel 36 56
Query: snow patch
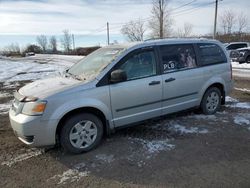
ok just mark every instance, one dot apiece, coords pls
pixel 71 175
pixel 242 89
pixel 241 66
pixel 230 99
pixel 4 108
pixel 9 85
pixel 244 105
pixel 22 157
pixel 105 158
pixel 154 146
pixel 241 120
pixel 191 130
pixel 204 117
pixel 4 95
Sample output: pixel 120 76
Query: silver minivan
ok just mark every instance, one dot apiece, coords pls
pixel 119 85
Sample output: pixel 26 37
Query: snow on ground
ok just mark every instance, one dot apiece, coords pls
pixel 10 85
pixel 203 116
pixel 22 157
pixel 234 103
pixel 154 146
pixel 34 67
pixel 70 175
pixel 242 89
pixel 190 130
pixel 240 120
pixel 240 66
pixel 4 108
pixel 105 158
pixel 244 105
pixel 4 95
pixel 241 70
pixel 230 99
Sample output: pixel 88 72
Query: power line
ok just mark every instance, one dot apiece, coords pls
pixel 117 25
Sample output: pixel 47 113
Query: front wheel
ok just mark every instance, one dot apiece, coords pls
pixel 248 59
pixel 81 133
pixel 211 101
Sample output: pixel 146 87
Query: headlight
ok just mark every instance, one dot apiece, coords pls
pixel 242 54
pixel 34 108
pixel 30 99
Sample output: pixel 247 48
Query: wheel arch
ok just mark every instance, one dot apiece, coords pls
pixel 221 87
pixel 91 110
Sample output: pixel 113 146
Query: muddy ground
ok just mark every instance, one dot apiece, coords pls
pixel 186 149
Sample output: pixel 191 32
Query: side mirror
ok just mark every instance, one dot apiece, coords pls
pixel 118 76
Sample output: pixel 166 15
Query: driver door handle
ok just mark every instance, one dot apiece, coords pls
pixel 154 83
pixel 170 80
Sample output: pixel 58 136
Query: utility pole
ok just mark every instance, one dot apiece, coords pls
pixel 215 18
pixel 73 39
pixel 108 33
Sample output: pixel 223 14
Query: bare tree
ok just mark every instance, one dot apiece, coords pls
pixel 12 50
pixel 228 20
pixel 134 30
pixel 66 41
pixel 242 22
pixel 53 43
pixel 42 41
pixel 186 31
pixel 161 21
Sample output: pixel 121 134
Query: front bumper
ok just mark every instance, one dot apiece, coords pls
pixel 239 59
pixel 33 131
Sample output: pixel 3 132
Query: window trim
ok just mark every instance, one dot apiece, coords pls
pixel 200 59
pixel 106 78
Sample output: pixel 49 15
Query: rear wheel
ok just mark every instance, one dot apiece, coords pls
pixel 211 101
pixel 81 133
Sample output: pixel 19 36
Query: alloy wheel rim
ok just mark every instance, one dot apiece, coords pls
pixel 212 101
pixel 83 134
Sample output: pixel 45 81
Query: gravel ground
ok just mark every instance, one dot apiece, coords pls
pixel 186 149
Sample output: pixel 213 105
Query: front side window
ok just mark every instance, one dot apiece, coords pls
pixel 140 65
pixel 211 54
pixel 177 57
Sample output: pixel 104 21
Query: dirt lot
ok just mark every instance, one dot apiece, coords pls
pixel 186 149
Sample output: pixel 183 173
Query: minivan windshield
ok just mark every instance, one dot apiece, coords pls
pixel 90 66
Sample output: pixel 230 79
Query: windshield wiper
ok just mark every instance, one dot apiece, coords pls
pixel 72 75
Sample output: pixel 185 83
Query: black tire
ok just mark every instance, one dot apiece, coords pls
pixel 71 123
pixel 248 59
pixel 215 105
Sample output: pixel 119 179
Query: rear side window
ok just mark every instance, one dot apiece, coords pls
pixel 177 57
pixel 211 54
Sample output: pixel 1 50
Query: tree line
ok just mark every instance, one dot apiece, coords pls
pixel 232 26
pixel 160 24
pixel 44 45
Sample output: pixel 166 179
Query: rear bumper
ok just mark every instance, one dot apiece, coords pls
pixel 33 131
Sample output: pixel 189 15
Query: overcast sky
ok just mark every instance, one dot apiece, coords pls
pixel 89 17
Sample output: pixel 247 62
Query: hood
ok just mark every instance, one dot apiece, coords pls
pixel 46 87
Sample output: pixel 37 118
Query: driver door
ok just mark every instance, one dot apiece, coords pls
pixel 139 97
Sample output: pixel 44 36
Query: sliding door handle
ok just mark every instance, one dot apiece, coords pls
pixel 154 83
pixel 170 80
